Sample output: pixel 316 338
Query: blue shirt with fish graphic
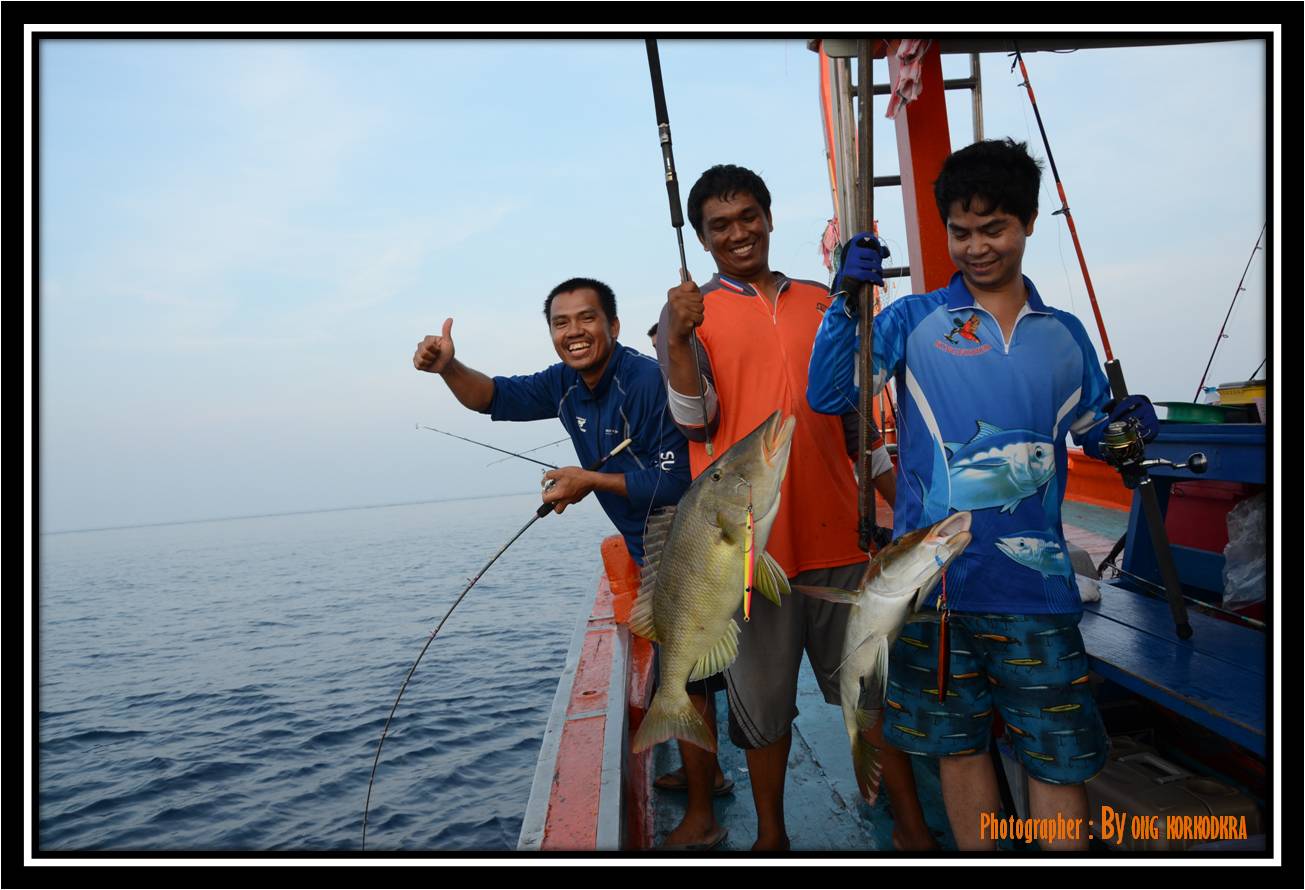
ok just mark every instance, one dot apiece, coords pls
pixel 981 427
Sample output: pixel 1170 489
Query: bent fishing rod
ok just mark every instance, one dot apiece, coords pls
pixel 677 214
pixel 1122 447
pixel 542 511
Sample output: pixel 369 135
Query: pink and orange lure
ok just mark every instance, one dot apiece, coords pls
pixel 749 565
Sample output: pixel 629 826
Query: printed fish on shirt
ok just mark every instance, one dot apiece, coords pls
pixel 1038 551
pixel 999 468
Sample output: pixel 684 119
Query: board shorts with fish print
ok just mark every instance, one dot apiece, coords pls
pixel 1032 669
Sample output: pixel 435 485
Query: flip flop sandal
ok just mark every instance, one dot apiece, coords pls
pixel 699 846
pixel 675 781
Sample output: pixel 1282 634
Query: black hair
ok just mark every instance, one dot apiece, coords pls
pixel 721 182
pixel 652 331
pixel 606 298
pixel 999 172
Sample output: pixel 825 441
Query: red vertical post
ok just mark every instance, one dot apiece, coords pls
pixel 923 143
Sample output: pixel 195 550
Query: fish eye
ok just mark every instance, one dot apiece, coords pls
pixel 715 476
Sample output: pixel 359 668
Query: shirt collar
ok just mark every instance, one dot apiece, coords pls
pixel 959 296
pixel 605 382
pixel 736 286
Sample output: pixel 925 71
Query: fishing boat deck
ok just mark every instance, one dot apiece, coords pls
pixel 823 808
pixel 591 793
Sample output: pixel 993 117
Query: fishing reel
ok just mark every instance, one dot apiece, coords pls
pixel 1122 447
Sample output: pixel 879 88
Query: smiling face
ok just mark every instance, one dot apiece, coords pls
pixel 987 244
pixel 582 334
pixel 736 231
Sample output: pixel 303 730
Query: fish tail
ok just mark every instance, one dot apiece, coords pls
pixel 672 717
pixel 866 766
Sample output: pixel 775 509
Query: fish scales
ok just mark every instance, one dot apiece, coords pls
pixel 694 574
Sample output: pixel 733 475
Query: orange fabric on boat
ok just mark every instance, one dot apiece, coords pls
pixel 622 576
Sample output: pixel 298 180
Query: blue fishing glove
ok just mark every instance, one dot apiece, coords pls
pixel 862 262
pixel 1138 408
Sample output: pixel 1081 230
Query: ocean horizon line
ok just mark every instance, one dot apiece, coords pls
pixel 108 528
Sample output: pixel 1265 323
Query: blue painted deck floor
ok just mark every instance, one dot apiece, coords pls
pixel 822 806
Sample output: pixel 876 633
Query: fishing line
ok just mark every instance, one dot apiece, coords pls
pixel 483 445
pixel 1240 288
pixel 542 511
pixel 530 450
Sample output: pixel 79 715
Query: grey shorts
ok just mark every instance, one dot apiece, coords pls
pixel 762 681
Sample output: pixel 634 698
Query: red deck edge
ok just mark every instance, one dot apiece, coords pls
pixel 574 813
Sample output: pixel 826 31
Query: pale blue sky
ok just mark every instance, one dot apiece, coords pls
pixel 243 241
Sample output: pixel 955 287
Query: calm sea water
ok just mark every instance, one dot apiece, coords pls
pixel 222 685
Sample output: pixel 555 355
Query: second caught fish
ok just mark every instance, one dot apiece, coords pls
pixel 896 583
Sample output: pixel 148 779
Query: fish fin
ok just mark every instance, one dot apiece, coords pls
pixel 719 656
pixel 855 650
pixel 952 447
pixel 1050 505
pixel 770 580
pixel 830 594
pixel 1009 506
pixel 672 717
pixel 641 615
pixel 656 530
pixel 985 430
pixel 866 763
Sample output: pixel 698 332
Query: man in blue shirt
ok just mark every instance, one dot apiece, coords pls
pixel 603 393
pixel 989 380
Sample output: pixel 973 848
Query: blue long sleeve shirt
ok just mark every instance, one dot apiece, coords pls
pixel 628 402
pixel 981 427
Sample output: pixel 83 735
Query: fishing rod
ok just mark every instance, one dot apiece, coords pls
pixel 677 215
pixel 530 450
pixel 1155 591
pixel 1219 339
pixel 1122 446
pixel 542 511
pixel 491 447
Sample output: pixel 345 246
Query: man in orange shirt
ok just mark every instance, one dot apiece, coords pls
pixel 755 330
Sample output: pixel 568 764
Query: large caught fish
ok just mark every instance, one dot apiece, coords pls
pixel 695 561
pixel 895 585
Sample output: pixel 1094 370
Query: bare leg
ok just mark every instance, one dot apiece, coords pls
pixel 969 788
pixel 700 771
pixel 767 768
pixel 1067 802
pixel 910 832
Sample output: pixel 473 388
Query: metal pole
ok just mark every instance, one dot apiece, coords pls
pixel 866 192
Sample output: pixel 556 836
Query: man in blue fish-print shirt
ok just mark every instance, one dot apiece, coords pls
pixel 989 380
pixel 602 392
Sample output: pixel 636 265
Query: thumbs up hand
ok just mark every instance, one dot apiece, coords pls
pixel 435 352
